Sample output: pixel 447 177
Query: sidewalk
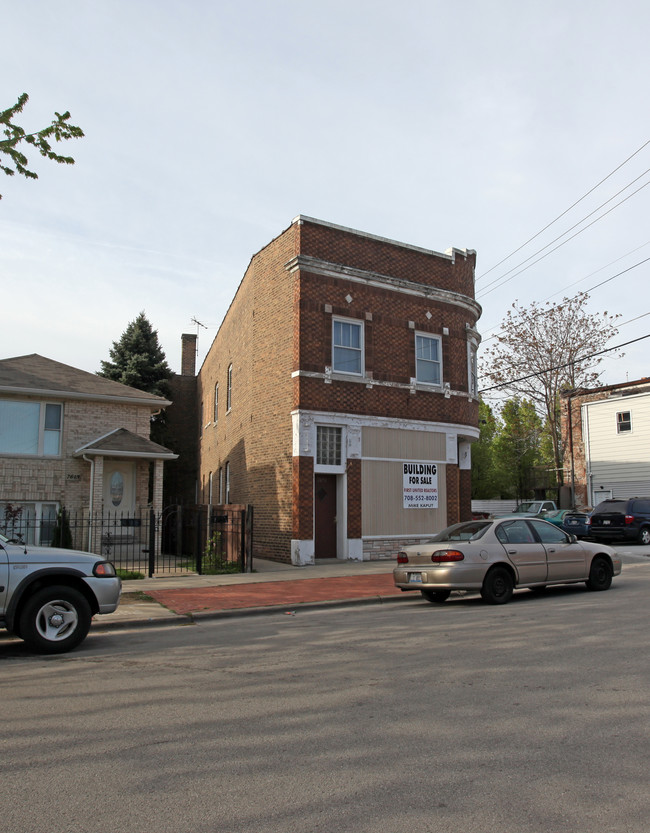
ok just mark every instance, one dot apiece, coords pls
pixel 273 587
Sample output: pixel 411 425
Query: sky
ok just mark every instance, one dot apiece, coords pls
pixel 210 124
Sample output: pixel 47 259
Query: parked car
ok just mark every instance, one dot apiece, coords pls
pixel 576 523
pixel 530 508
pixel 496 556
pixel 621 520
pixel 48 595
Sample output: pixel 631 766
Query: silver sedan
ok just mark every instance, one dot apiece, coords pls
pixel 496 556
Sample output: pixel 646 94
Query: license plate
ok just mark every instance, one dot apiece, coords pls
pixel 415 578
pixel 606 523
pixel 572 523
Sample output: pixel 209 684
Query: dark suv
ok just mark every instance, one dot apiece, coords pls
pixel 621 520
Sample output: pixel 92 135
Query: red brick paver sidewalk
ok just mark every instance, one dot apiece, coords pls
pixel 263 594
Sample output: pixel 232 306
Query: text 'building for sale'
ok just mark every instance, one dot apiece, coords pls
pixel 339 397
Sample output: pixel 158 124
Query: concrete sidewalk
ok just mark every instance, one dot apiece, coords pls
pixel 275 587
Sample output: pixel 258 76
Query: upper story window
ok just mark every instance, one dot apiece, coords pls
pixel 216 403
pixel 229 389
pixel 30 428
pixel 228 482
pixel 472 370
pixel 347 346
pixel 428 359
pixel 623 421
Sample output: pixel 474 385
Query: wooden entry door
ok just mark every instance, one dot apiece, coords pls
pixel 325 515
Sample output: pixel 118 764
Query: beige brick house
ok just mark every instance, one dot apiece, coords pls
pixel 72 439
pixel 339 395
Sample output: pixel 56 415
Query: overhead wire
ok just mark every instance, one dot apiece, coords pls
pixel 566 211
pixel 562 366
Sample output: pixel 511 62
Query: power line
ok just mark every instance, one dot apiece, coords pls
pixel 587 291
pixel 566 211
pixel 609 211
pixel 562 366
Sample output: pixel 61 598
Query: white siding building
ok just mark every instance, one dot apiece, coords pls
pixel 607 442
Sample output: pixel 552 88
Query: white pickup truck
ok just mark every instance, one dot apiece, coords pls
pixel 530 508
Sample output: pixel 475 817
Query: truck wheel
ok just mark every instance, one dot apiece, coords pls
pixel 55 619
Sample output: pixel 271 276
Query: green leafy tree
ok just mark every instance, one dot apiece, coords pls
pixel 543 349
pixel 12 158
pixel 487 479
pixel 517 449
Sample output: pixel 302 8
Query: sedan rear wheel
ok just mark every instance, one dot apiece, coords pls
pixel 436 596
pixel 498 586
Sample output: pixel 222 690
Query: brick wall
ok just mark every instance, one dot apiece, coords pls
pixel 279 323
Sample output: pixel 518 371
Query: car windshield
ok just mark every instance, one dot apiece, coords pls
pixel 527 507
pixel 469 531
pixel 3 540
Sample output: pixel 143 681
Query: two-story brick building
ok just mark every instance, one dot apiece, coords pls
pixel 339 396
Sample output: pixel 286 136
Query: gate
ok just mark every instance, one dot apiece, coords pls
pixel 182 539
pixel 206 539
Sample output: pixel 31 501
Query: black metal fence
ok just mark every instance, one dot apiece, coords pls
pixel 182 539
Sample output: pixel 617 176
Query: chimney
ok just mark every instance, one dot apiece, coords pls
pixel 188 354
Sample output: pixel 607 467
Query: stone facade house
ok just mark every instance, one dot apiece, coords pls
pixel 72 439
pixel 339 397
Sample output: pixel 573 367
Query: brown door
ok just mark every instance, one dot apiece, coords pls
pixel 325 515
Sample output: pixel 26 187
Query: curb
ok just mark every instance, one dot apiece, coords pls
pixel 239 612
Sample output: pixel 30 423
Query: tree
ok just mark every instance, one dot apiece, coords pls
pixel 544 349
pixel 59 130
pixel 486 479
pixel 517 448
pixel 139 361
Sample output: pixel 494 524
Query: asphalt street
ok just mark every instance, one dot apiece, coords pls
pixel 388 718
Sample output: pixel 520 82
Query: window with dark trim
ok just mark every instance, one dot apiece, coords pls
pixel 623 421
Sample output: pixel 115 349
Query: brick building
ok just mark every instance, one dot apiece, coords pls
pixel 339 395
pixel 72 439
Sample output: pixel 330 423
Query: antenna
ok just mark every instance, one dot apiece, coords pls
pixel 198 324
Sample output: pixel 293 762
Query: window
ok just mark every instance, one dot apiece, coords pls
pixel 472 370
pixel 227 482
pixel 220 485
pixel 428 360
pixel 347 347
pixel 31 522
pixel 623 421
pixel 30 428
pixel 328 445
pixel 229 389
pixel 216 403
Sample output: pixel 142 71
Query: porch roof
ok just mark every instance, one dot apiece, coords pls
pixel 124 443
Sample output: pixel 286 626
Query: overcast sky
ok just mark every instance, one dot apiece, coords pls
pixel 211 124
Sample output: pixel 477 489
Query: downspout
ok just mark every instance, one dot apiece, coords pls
pixel 573 473
pixel 90 460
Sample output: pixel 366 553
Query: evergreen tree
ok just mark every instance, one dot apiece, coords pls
pixel 138 359
pixel 517 449
pixel 486 476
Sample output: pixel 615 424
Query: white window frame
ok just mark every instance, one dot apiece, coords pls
pixel 438 340
pixel 227 482
pixel 229 390
pixel 42 430
pixel 215 416
pixel 30 524
pixel 472 369
pixel 623 422
pixel 353 322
